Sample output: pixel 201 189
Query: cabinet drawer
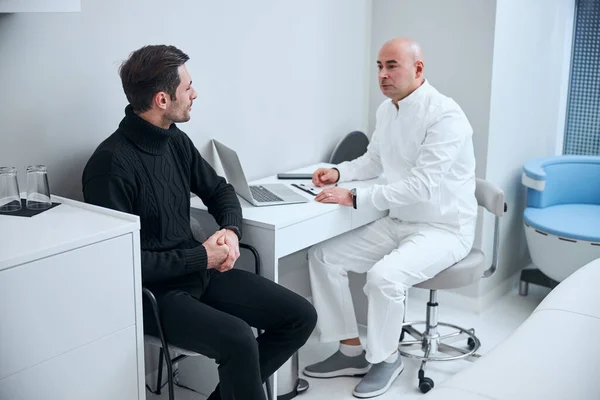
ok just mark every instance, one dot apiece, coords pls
pixel 102 370
pixel 315 230
pixel 55 304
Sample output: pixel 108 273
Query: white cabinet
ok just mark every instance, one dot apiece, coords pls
pixel 15 6
pixel 70 305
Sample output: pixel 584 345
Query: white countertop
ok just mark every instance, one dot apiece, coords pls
pixel 70 225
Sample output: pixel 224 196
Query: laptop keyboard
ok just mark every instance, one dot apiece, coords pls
pixel 263 195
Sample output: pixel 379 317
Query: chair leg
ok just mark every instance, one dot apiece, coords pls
pixel 413 332
pixel 403 331
pixel 164 350
pixel 160 371
pixel 169 363
pixel 430 340
pixel 424 362
pixel 446 348
pixel 523 288
pixel 170 377
pixel 425 384
pixel 269 393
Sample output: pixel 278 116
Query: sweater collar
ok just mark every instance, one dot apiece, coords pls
pixel 148 137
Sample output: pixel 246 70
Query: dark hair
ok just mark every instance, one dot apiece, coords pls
pixel 150 70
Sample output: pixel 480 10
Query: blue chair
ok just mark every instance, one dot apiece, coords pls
pixel 562 218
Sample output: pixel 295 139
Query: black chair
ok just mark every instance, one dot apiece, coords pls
pixel 165 347
pixel 351 146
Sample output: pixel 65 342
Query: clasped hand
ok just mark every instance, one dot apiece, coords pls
pixel 222 249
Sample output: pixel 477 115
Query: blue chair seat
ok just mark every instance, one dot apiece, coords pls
pixel 572 221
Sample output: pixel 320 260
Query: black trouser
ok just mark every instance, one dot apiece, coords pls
pixel 217 324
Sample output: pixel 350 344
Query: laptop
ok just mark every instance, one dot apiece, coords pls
pixel 258 195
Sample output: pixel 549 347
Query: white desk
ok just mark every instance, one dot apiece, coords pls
pixel 70 305
pixel 277 231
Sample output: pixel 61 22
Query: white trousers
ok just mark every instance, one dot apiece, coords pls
pixel 395 255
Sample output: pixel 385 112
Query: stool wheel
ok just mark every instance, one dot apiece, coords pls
pixel 425 384
pixel 471 343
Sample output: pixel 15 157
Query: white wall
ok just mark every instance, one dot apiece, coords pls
pixel 532 57
pixel 279 81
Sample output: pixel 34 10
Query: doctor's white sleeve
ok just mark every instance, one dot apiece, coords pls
pixel 369 164
pixel 364 167
pixel 442 146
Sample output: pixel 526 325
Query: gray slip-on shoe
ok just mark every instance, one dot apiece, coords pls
pixel 339 365
pixel 379 379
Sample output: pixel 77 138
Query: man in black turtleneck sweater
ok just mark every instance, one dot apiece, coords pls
pixel 148 168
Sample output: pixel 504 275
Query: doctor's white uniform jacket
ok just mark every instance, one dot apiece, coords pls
pixel 425 150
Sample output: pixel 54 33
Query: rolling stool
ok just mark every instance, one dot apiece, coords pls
pixel 464 273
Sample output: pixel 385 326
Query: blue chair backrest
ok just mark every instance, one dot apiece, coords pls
pixel 569 180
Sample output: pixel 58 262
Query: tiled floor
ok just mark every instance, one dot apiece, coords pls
pixel 492 327
pixel 180 394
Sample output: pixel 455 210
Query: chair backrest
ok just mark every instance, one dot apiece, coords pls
pixel 197 230
pixel 351 146
pixel 564 180
pixel 490 196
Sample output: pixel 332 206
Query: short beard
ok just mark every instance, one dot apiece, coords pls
pixel 172 116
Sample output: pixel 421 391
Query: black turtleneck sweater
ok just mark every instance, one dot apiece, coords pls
pixel 144 170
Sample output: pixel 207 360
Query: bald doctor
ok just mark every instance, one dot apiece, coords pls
pixel 422 143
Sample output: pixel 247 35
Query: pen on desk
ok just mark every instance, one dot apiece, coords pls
pixel 312 189
pixel 307 190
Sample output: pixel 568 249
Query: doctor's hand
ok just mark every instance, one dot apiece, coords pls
pixel 231 241
pixel 335 195
pixel 216 249
pixel 325 176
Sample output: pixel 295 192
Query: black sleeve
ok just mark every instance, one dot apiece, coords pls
pixel 115 192
pixel 218 195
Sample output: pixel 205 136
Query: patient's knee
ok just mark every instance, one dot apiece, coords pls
pixel 238 343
